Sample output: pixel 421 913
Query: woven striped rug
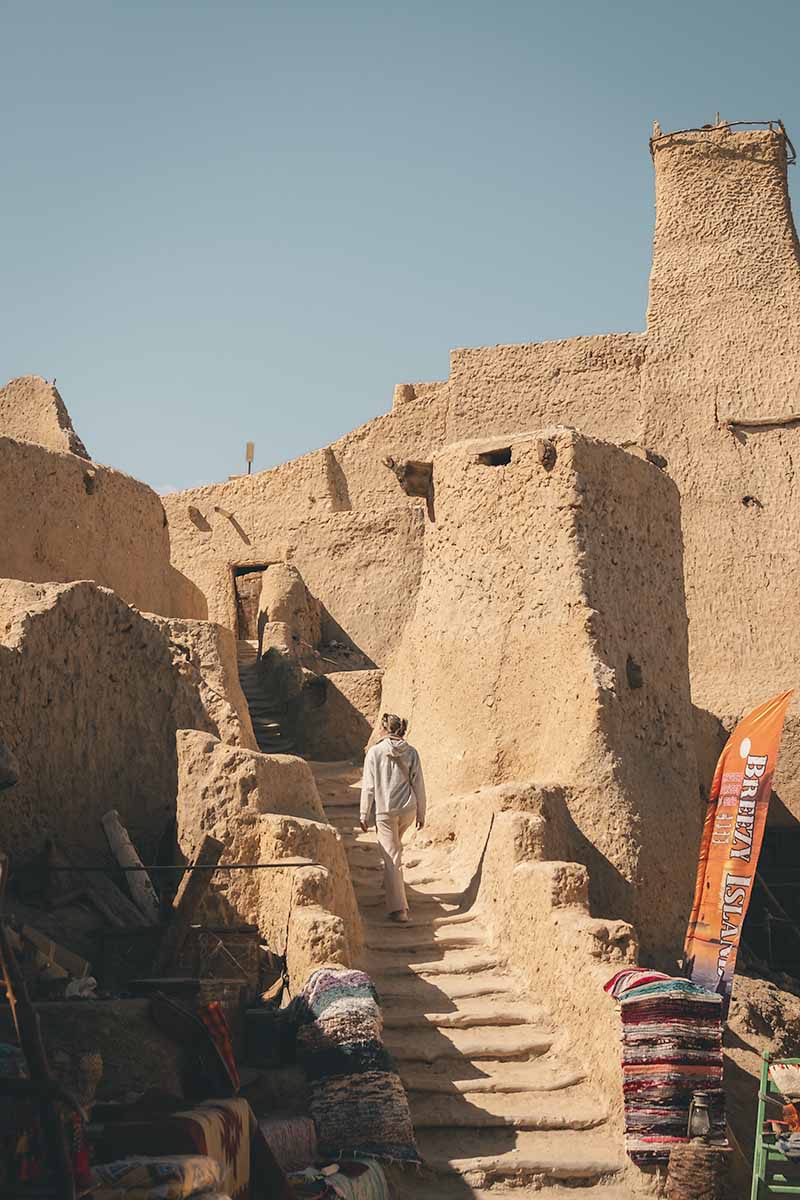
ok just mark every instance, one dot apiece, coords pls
pixel 671 1048
pixel 358 1103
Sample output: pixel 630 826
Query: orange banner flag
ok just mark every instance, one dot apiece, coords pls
pixel 730 846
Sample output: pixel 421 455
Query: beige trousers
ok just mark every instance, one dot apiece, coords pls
pixel 390 828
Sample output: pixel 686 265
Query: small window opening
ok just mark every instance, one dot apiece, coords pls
pixel 633 672
pixel 496 458
pixel 751 502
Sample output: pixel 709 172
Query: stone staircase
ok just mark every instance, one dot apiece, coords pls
pixel 269 717
pixel 499 1101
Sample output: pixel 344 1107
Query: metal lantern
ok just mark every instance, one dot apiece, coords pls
pixel 700 1117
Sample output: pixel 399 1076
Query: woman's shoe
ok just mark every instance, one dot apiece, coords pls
pixel 401 916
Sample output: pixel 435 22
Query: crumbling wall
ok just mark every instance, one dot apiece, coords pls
pixel 723 344
pixel 549 643
pixel 66 518
pixel 374 532
pixel 266 808
pixel 509 850
pixel 339 715
pixel 415 427
pixel 285 598
pixel 204 654
pixel 32 410
pixel 286 515
pixel 91 694
pixel 707 391
pixel 592 383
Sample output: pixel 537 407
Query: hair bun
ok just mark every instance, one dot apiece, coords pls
pixel 395 726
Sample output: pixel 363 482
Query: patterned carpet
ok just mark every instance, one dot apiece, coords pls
pixel 671 1048
pixel 357 1100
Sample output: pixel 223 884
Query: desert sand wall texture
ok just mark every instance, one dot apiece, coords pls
pixel 266 808
pixel 65 518
pixel 363 566
pixel 92 695
pixel 548 643
pixel 722 345
pixel 707 393
pixel 32 410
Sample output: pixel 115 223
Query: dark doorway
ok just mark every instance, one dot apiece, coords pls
pixel 247 582
pixel 772 927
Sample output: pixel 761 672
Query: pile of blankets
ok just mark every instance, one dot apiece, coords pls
pixel 671 1048
pixel 169 1178
pixel 292 1140
pixel 358 1103
pixel 358 1179
pixel 224 1132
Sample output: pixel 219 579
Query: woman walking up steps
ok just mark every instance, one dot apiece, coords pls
pixel 393 798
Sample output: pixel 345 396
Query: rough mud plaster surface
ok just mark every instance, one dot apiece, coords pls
pixel 263 783
pixel 91 693
pixel 462 824
pixel 285 598
pixel 537 589
pixel 341 726
pixel 276 514
pixel 763 1016
pixel 589 382
pixel 205 654
pixel 266 808
pixel 412 430
pixel 32 409
pixel 725 286
pixel 539 914
pixel 273 520
pixel 136 1055
pixel 724 342
pixel 64 518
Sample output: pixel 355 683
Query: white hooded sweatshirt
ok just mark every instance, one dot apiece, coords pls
pixel 392 780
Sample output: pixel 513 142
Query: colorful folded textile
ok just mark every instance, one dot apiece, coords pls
pixel 213 1017
pixel 671 1048
pixel 293 1140
pixel 356 1179
pixel 224 1130
pixel 630 977
pixel 171 1178
pixel 357 1100
pixel 362 1180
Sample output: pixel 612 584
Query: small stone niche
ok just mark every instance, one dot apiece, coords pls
pixel 495 458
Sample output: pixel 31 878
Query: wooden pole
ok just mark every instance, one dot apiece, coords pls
pixel 191 892
pixel 104 894
pixel 139 883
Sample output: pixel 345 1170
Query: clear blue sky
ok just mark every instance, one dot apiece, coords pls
pixel 232 221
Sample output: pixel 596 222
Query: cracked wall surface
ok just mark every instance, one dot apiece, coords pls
pixel 722 344
pixel 707 392
pixel 32 410
pixel 92 695
pixel 548 643
pixel 66 518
